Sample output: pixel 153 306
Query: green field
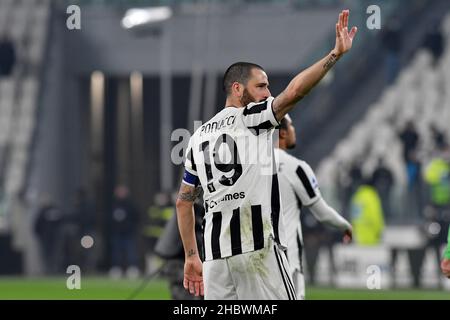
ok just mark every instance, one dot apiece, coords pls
pixel 353 294
pixel 104 288
pixel 91 288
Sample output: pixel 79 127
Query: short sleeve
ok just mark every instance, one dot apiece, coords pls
pixel 190 175
pixel 305 184
pixel 260 116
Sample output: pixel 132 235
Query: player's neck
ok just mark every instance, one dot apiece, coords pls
pixel 233 102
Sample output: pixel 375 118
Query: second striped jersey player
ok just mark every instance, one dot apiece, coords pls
pixel 299 188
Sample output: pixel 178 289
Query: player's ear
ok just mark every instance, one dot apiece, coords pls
pixel 237 89
pixel 283 133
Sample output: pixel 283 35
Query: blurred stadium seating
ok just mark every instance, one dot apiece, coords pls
pixel 419 95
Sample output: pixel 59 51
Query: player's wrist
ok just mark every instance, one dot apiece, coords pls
pixel 191 254
pixel 336 54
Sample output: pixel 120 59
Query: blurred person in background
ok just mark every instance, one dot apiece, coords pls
pixel 299 187
pixel 124 228
pixel 437 178
pixel 82 220
pixel 383 181
pixel 438 137
pixel 367 215
pixel 47 227
pixel 7 56
pixel 410 141
pixel 350 179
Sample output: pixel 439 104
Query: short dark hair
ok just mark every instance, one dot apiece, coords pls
pixel 238 72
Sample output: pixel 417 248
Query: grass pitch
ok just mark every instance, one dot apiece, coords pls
pixel 158 289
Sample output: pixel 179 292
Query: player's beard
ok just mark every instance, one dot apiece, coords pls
pixel 247 98
pixel 291 146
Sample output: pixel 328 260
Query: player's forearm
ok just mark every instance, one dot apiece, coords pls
pixel 302 84
pixel 327 215
pixel 186 225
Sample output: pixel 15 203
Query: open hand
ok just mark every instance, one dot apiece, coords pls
pixel 193 276
pixel 344 39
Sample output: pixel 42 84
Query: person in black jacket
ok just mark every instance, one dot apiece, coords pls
pixel 124 224
pixel 79 226
pixel 383 181
pixel 47 227
pixel 170 248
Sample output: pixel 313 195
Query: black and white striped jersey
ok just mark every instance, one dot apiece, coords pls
pixel 298 187
pixel 232 157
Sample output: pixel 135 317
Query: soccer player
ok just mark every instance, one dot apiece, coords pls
pixel 298 188
pixel 445 264
pixel 230 158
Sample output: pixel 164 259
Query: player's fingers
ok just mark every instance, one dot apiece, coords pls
pixel 346 18
pixel 202 289
pixel 353 32
pixel 345 33
pixel 197 288
pixel 185 283
pixel 338 31
pixel 341 23
pixel 191 287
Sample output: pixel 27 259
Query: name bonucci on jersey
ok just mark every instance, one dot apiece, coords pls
pixel 233 158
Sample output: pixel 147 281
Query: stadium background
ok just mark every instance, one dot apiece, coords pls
pixel 94 108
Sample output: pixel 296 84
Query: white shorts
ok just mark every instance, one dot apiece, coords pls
pixel 258 275
pixel 299 284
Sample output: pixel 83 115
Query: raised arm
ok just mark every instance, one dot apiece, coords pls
pixel 307 79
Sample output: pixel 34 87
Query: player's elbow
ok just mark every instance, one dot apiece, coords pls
pixel 182 204
pixel 179 204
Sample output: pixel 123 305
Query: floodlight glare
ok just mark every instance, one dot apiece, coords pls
pixel 145 16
